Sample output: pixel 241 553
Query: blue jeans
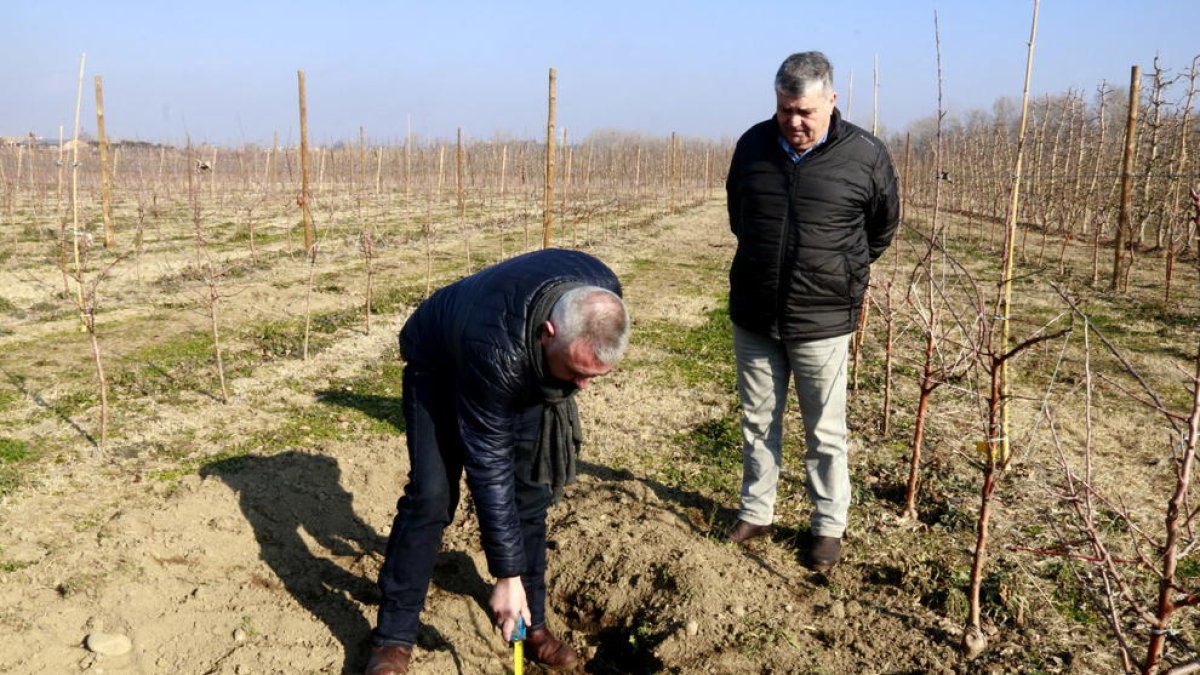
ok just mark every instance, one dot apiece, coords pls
pixel 435 453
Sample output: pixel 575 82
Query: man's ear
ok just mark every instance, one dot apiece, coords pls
pixel 548 329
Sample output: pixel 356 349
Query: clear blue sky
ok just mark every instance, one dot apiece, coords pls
pixel 225 71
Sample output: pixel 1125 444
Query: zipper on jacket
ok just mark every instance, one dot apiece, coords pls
pixel 781 281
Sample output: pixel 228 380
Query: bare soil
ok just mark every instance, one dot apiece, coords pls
pixel 246 537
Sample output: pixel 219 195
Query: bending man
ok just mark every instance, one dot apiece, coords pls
pixel 492 362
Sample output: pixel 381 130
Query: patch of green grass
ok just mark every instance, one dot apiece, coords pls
pixel 952 515
pixel 640 264
pixel 188 348
pixel 13 451
pixel 713 456
pixel 1188 567
pixel 317 423
pixel 76 402
pixel 187 363
pixel 376 396
pixel 238 268
pixel 1111 522
pixel 48 310
pixel 940 585
pixel 330 322
pixel 173 283
pixel 391 299
pixel 190 467
pixel 7 566
pixel 636 267
pixel 860 491
pixel 160 368
pixel 699 355
pixel 1003 594
pixel 303 429
pixel 249 627
pixel 1110 326
pixel 242 234
pixel 716 441
pixel 275 339
pixel 282 339
pixel 7 398
pixel 7 306
pixel 87 523
pixel 1070 596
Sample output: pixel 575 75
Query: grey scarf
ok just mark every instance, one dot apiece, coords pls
pixel 560 436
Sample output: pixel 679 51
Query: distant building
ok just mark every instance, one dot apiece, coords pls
pixel 11 141
pixel 84 145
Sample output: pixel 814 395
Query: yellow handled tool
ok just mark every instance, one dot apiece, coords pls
pixel 518 640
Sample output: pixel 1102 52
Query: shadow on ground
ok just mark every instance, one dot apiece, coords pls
pixel 282 495
pixel 384 408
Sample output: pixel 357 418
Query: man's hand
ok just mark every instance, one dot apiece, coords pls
pixel 507 603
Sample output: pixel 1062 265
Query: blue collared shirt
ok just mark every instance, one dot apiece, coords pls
pixel 796 155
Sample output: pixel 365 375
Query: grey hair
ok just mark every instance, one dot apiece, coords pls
pixel 594 314
pixel 802 72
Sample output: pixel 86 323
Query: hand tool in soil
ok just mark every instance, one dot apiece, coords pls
pixel 518 640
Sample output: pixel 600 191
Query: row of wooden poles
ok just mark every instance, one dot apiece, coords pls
pixel 1078 183
pixel 673 172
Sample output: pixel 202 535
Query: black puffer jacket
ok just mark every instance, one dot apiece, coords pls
pixel 808 232
pixel 472 333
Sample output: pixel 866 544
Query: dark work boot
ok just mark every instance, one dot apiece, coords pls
pixel 825 553
pixel 742 532
pixel 543 648
pixel 388 660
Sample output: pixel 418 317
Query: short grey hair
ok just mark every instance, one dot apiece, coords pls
pixel 802 72
pixel 594 314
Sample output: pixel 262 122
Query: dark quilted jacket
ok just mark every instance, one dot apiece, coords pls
pixel 808 232
pixel 473 333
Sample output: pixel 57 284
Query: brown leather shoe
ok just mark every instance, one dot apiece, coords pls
pixel 742 532
pixel 825 553
pixel 388 661
pixel 543 648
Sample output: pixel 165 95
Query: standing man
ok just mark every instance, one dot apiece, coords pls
pixel 492 362
pixel 813 202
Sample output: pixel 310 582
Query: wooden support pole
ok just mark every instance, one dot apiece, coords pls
pixel 875 100
pixel 310 236
pixel 105 172
pixel 503 168
pixel 548 191
pixel 458 175
pixel 670 177
pixel 362 160
pixel 378 171
pixel 76 232
pixel 905 176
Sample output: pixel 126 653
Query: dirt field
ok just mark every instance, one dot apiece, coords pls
pixel 245 537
